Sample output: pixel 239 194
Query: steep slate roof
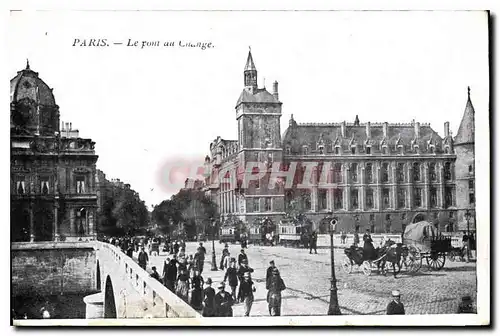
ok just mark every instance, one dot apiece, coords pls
pixel 466 130
pixel 298 135
pixel 260 96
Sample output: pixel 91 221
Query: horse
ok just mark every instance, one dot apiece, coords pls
pixel 393 255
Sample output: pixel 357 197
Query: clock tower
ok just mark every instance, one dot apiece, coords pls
pixel 258 114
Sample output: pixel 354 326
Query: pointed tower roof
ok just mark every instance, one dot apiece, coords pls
pixel 250 66
pixel 465 133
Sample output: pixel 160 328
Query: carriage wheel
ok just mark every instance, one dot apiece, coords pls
pixel 347 265
pixel 413 261
pixel 366 267
pixel 436 261
pixel 453 256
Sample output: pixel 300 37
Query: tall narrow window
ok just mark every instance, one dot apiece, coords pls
pixel 80 184
pixel 256 204
pixel 417 194
pixel 401 172
pixel 337 150
pixel 305 150
pixel 353 150
pixel 385 198
pixel 354 199
pixel 267 204
pixel 321 150
pixel 337 173
pixel 20 186
pixel 448 197
pixel 385 172
pixel 288 150
pixel 472 198
pixel 416 171
pixel 471 184
pixel 338 199
pixel 432 171
pixel 369 173
pixel 44 185
pixel 369 198
pixel 322 199
pixel 368 150
pixel 401 198
pixel 470 168
pixel 306 200
pixel 433 192
pixel 447 171
pixel 354 172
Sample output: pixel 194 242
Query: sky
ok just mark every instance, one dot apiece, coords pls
pixel 147 108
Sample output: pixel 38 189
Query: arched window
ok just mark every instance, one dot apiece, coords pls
pixel 305 150
pixel 447 171
pixel 416 171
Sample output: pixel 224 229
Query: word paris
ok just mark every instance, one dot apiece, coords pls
pixel 293 175
pixel 141 44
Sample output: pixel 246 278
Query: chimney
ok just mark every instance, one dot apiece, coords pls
pixel 70 126
pixel 368 130
pixel 417 130
pixel 275 90
pixel 67 126
pixel 446 129
pixel 342 129
pixel 62 125
pixel 385 129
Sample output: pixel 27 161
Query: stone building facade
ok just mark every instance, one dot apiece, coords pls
pixel 376 176
pixel 53 170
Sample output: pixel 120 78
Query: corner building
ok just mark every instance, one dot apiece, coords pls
pixel 53 185
pixel 381 176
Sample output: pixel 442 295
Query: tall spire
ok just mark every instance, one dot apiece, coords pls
pixel 466 132
pixel 27 64
pixel 250 73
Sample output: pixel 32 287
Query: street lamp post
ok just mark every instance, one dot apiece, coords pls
pixel 333 308
pixel 467 218
pixel 214 261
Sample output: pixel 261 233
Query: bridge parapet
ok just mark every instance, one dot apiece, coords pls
pixel 136 293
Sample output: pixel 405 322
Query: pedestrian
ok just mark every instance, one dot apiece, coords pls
pixel 197 290
pixel 182 253
pixel 182 286
pixel 242 256
pixel 231 277
pixel 343 237
pixel 355 242
pixel 241 272
pixel 197 263
pixel 247 289
pixel 171 274
pixel 143 258
pixel 396 307
pixel 465 306
pixel 155 274
pixel 203 251
pixel 130 250
pixel 223 302
pixel 225 253
pixel 176 247
pixel 313 242
pixel 275 285
pixel 269 271
pixel 368 249
pixel 208 300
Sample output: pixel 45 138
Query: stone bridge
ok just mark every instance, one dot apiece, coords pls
pixel 122 289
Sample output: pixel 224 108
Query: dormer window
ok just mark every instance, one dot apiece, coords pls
pixel 353 150
pixel 305 150
pixel 432 149
pixel 401 149
pixel 337 150
pixel 447 149
pixel 288 150
pixel 416 149
pixel 368 150
pixel 384 149
pixel 321 150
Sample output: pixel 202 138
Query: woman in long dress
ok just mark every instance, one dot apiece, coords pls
pixel 368 249
pixel 182 287
pixel 197 290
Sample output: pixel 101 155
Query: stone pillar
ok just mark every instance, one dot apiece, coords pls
pixel 361 195
pixel 426 191
pixel 32 224
pixel 56 221
pixel 94 306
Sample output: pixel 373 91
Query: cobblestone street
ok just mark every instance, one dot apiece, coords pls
pixel 307 278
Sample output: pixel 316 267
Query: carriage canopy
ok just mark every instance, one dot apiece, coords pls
pixel 420 235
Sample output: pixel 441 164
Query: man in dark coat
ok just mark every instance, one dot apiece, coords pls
pixel 208 300
pixel 313 242
pixel 275 285
pixel 247 289
pixel 143 258
pixel 223 302
pixel 241 257
pixel 232 277
pixel 155 274
pixel 225 252
pixel 269 271
pixel 171 274
pixel 395 307
pixel 241 273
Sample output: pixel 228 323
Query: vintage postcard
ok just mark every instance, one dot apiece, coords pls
pixel 249 167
